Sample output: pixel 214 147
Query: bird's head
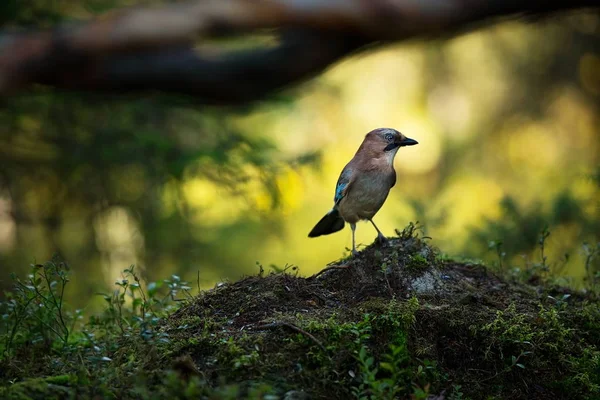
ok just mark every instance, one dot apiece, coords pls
pixel 387 140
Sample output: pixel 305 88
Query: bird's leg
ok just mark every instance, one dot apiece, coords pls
pixel 380 237
pixel 353 227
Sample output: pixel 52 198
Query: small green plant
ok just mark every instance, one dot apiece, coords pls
pixel 592 270
pixel 542 268
pixel 261 269
pixel 133 310
pixel 456 393
pixel 560 303
pixel 542 244
pixel 395 370
pixel 36 318
pixel 410 231
pixel 286 269
pixel 34 312
pixel 510 330
pixel 369 387
pixel 496 245
pixel 395 376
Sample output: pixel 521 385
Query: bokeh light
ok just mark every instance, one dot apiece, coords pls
pixel 507 112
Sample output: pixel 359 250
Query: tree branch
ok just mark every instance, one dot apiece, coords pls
pixel 230 78
pixel 153 49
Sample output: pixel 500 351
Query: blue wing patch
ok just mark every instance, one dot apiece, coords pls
pixel 339 191
pixel 342 184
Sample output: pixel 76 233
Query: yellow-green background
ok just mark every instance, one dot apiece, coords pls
pixel 508 111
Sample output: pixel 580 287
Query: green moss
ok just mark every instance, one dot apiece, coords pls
pixel 508 328
pixel 64 380
pixel 40 388
pixel 417 263
pixel 545 341
pixel 237 353
pixel 584 373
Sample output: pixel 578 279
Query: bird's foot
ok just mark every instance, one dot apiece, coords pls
pixel 381 239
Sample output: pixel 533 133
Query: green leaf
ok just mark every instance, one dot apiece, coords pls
pixel 386 366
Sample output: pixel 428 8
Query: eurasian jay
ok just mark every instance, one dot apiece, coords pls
pixel 364 183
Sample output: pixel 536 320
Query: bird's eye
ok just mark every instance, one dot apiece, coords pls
pixel 389 137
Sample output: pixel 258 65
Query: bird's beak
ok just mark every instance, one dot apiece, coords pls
pixel 408 142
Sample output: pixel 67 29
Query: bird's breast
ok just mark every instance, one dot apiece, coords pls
pixel 367 194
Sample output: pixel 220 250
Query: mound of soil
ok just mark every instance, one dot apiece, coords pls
pixel 396 321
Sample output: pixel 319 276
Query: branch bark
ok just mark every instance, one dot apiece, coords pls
pixel 142 49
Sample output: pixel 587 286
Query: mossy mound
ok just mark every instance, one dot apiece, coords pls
pixel 397 321
pixel 453 324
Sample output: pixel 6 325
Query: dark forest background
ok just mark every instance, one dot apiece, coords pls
pixel 507 170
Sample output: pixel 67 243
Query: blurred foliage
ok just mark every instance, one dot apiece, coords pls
pixel 100 178
pixel 70 163
pixel 507 119
pixel 520 230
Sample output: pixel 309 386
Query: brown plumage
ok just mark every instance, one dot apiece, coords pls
pixel 364 183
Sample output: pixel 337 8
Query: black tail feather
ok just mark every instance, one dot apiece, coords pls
pixel 330 223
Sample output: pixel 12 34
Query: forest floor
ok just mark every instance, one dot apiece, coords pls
pixel 396 321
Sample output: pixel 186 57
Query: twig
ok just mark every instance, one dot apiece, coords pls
pixel 275 325
pixel 385 275
pixel 328 269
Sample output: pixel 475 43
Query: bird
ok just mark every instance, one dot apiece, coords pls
pixel 364 184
